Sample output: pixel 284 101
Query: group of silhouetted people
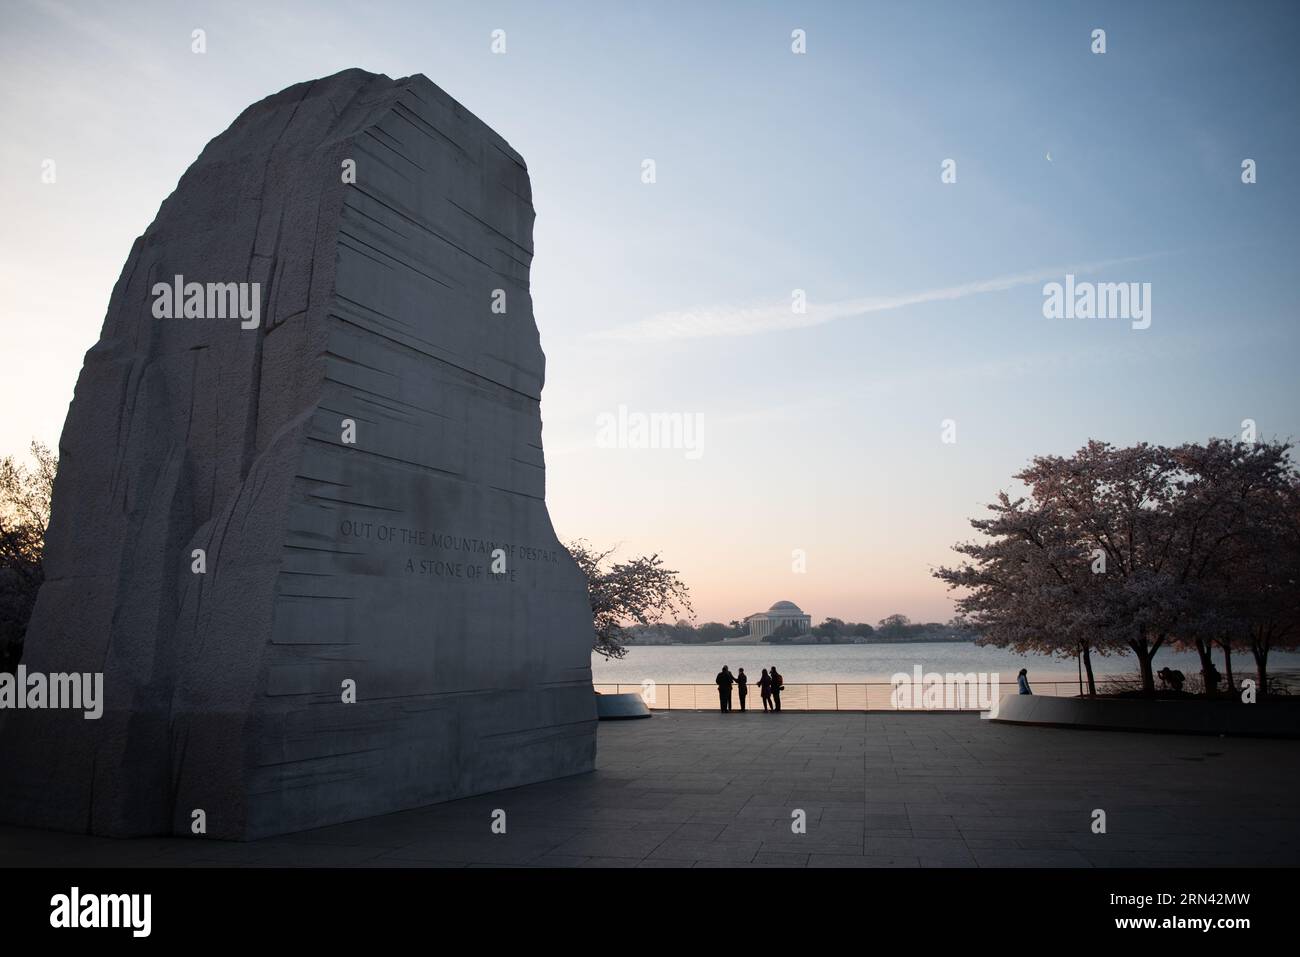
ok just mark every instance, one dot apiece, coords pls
pixel 770 687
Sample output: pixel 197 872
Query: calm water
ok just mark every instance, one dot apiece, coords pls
pixel 800 664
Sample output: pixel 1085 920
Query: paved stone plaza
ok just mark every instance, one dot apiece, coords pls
pixel 701 789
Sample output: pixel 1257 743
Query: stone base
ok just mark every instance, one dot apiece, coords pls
pixel 610 707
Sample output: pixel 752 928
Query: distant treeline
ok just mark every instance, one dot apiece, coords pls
pixel 832 631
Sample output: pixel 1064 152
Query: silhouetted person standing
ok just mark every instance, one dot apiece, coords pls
pixel 1023 681
pixel 765 690
pixel 778 685
pixel 725 680
pixel 742 687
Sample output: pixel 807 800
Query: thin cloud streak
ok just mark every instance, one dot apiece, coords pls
pixel 719 321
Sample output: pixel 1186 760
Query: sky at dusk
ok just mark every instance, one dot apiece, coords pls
pixel 822 429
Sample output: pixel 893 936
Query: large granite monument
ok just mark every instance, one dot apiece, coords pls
pixel 299 523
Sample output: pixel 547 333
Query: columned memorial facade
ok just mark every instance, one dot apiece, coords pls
pixel 781 614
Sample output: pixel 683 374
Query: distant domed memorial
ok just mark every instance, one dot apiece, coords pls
pixel 781 614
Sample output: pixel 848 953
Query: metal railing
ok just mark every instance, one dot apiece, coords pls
pixel 838 696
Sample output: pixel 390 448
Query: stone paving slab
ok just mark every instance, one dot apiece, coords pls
pixel 699 789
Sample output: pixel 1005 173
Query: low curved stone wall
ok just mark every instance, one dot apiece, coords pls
pixel 1265 719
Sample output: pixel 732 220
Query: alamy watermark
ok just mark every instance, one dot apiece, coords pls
pixel 973 691
pixel 1100 300
pixel 214 300
pixel 651 430
pixel 76 909
pixel 75 691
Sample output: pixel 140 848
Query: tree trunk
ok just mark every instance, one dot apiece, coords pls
pixel 1261 670
pixel 1144 655
pixel 1261 638
pixel 1087 664
pixel 1227 666
pixel 1206 653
